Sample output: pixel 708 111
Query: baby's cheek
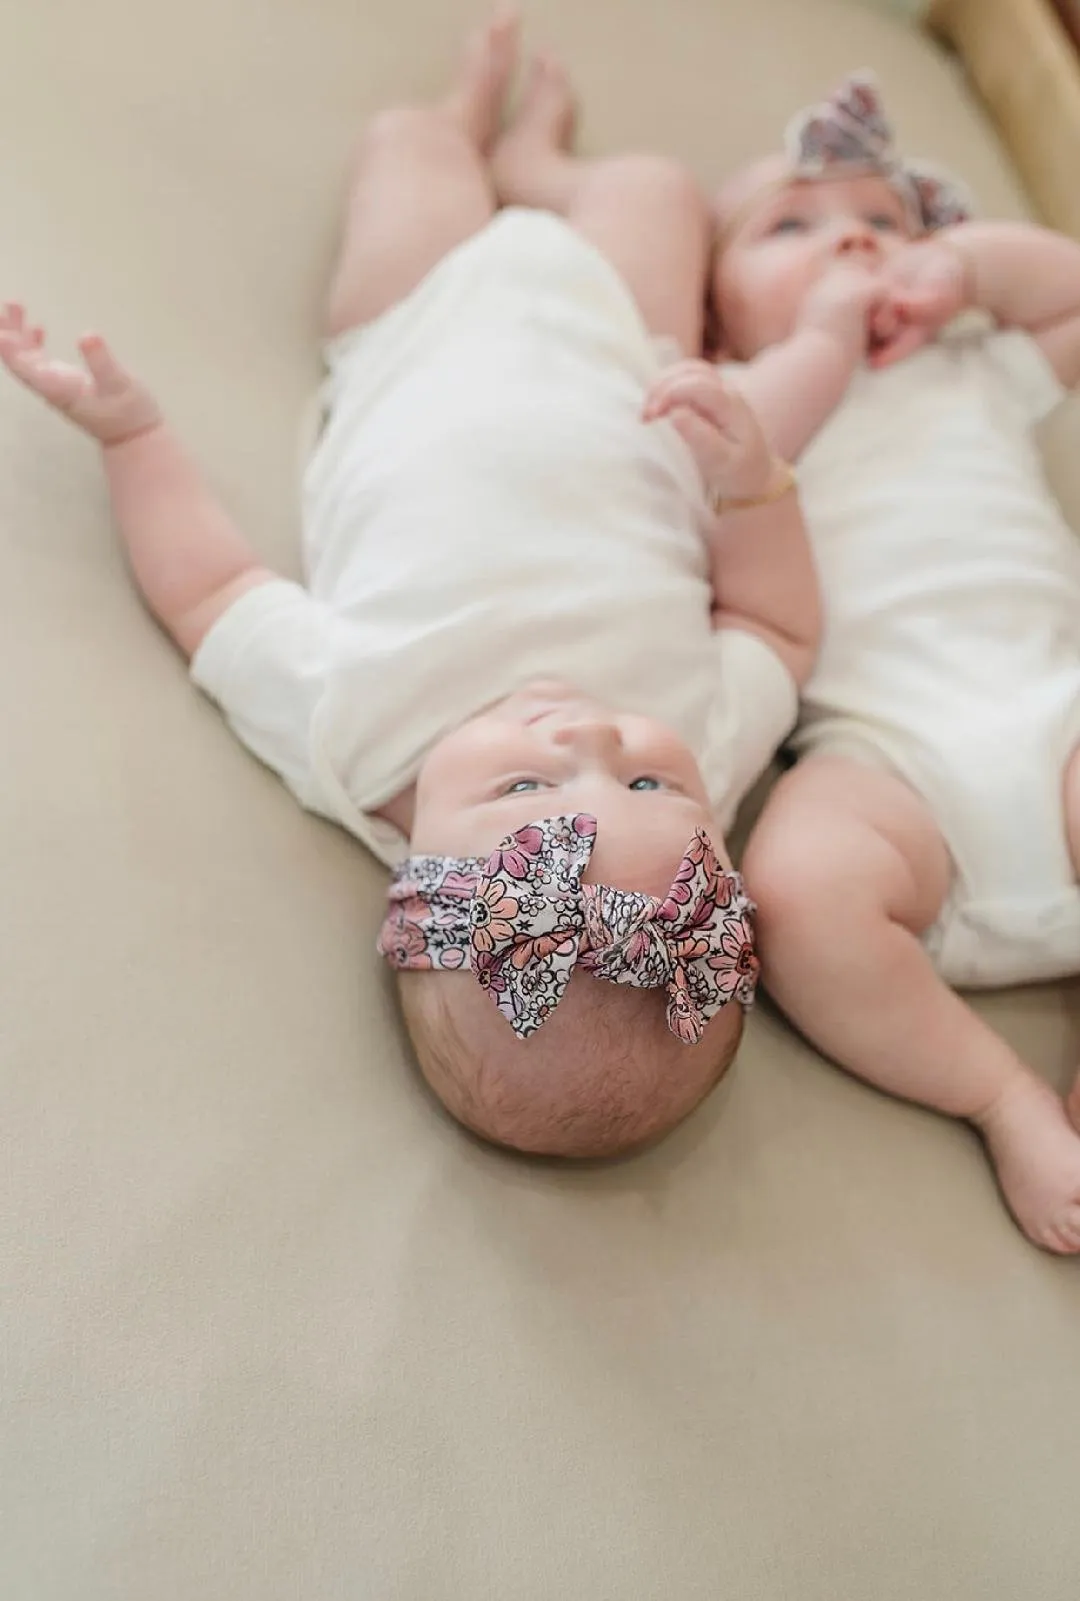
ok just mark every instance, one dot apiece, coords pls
pixel 776 303
pixel 748 305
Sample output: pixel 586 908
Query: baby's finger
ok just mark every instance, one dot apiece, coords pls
pixel 659 396
pixel 707 395
pixel 708 448
pixel 697 383
pixel 660 386
pixel 660 400
pixel 13 322
pixel 108 375
pixel 62 386
pixel 16 357
pixel 681 406
pixel 908 340
pixel 885 321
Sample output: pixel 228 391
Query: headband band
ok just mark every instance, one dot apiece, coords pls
pixel 523 920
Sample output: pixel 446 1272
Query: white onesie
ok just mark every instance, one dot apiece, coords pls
pixel 485 507
pixel 952 642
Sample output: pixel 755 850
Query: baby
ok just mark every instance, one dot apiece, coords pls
pixel 929 834
pixel 535 623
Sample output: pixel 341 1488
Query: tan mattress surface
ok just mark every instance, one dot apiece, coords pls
pixel 272 1329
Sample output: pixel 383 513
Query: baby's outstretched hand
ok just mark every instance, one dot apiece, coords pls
pixel 718 425
pixel 100 398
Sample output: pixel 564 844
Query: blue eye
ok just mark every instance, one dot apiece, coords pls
pixel 644 783
pixel 523 786
pixel 789 225
pixel 883 222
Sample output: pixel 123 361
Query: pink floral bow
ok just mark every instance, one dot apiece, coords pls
pixel 523 920
pixel 850 130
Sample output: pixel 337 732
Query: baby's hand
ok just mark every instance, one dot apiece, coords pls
pixel 843 303
pixel 104 400
pixel 929 283
pixel 721 430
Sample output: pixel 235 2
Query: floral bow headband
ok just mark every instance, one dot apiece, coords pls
pixel 850 130
pixel 523 919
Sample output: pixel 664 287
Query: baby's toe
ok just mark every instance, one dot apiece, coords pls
pixel 1066 1231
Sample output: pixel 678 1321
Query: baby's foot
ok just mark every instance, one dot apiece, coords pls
pixel 1072 1103
pixel 478 96
pixel 543 122
pixel 1037 1155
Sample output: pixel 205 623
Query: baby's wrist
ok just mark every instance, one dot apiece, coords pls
pixel 128 436
pixel 780 481
pixel 827 343
pixel 962 251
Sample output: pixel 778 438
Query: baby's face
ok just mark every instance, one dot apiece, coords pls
pixel 777 238
pixel 548 751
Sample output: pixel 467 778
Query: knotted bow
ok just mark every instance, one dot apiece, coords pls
pixel 850 129
pixel 523 920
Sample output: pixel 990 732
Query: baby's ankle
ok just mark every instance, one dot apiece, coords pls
pixel 1015 1093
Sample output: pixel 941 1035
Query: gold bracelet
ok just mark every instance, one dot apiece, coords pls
pixel 783 486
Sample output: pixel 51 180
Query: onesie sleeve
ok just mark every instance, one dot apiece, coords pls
pixel 266 662
pixel 754 710
pixel 1031 380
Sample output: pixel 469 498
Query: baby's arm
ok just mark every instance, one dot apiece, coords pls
pixel 795 386
pixel 1025 277
pixel 765 583
pixel 189 561
pixel 763 574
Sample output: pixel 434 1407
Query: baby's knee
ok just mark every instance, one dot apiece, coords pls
pixel 798 891
pixel 780 867
pixel 406 128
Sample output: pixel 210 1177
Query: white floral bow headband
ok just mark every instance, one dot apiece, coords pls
pixel 850 130
pixel 523 919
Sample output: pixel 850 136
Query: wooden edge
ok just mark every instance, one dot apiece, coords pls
pixel 1069 14
pixel 1025 66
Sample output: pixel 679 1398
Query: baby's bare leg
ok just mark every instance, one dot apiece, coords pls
pixel 848 867
pixel 646 213
pixel 421 183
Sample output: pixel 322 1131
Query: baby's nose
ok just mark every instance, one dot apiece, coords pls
pixel 855 238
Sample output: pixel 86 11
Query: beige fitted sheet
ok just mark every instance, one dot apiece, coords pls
pixel 273 1329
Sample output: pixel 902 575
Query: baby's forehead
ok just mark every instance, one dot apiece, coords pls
pixel 767 181
pixel 761 177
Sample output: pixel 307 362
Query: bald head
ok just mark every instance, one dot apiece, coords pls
pixel 602 1076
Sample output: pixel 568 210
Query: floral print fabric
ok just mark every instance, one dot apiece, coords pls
pixel 850 130
pixel 524 919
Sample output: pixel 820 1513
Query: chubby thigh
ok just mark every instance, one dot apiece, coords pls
pixel 851 834
pixel 848 869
